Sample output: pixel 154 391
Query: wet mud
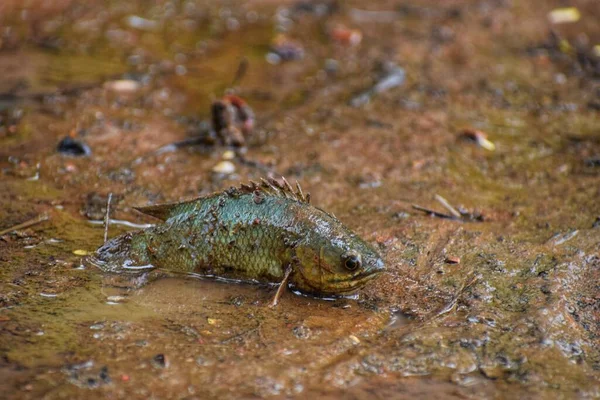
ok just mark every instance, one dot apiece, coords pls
pixel 490 289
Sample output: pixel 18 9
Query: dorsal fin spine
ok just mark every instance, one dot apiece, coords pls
pixel 271 187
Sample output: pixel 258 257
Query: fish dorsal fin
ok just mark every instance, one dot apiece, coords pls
pixel 270 186
pixel 273 187
pixel 160 211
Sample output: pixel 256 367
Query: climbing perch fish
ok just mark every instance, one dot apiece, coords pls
pixel 261 232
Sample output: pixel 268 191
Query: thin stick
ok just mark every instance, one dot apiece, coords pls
pixel 432 212
pixel 26 224
pixel 241 71
pixel 281 287
pixel 106 219
pixel 448 206
pixel 121 222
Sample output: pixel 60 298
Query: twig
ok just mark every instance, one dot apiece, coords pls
pixel 106 219
pixel 240 72
pixel 281 287
pixel 433 212
pixel 121 222
pixel 26 224
pixel 448 206
pixel 395 77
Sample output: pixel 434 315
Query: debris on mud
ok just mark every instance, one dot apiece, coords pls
pixel 86 376
pixel 346 36
pixel 454 213
pixel 579 56
pixel 232 120
pixel 392 76
pixel 564 15
pixel 284 49
pixel 160 361
pixel 9 120
pixel 592 162
pixel 123 86
pixel 478 137
pixel 232 124
pixel 317 8
pixel 72 147
pixel 452 260
pixel 561 238
pixel 26 224
pixel 224 168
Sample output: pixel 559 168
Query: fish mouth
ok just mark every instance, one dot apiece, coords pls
pixel 345 286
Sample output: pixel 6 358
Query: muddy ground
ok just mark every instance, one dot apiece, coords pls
pixel 518 315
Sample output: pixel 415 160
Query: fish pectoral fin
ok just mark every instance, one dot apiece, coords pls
pixel 160 211
pixel 281 287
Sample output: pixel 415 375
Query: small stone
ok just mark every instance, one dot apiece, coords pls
pixel 343 35
pixel 301 332
pixel 228 155
pixel 452 260
pixel 203 362
pixel 142 24
pixel 224 167
pixel 72 147
pixel 564 15
pixel 115 299
pixel 285 49
pixel 160 361
pixel 104 375
pixel 123 86
pixel 479 137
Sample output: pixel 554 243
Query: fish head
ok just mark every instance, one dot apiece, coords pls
pixel 335 267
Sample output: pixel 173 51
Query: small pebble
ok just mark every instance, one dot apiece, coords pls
pixel 351 37
pixel 479 137
pixel 228 155
pixel 452 260
pixel 204 362
pixel 72 147
pixel 224 167
pixel 564 15
pixel 301 332
pixel 123 86
pixel 142 24
pixel 160 361
pixel 115 299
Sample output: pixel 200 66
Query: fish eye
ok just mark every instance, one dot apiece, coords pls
pixel 352 261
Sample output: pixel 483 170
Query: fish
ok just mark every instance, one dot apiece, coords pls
pixel 259 232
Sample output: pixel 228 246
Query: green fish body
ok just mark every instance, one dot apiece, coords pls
pixel 251 233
